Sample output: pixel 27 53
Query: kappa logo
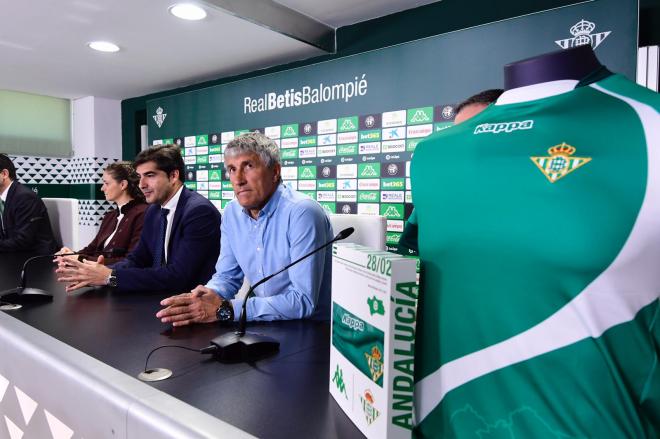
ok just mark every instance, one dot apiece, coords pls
pixel 369 121
pixel 159 117
pixel 419 117
pixel 338 379
pixel 369 171
pixel 346 209
pixel 582 35
pixel 307 128
pixel 392 211
pixel 392 169
pixel 347 125
pixel 504 127
pixel 447 112
pixel 560 162
pixel 289 131
pixel 307 173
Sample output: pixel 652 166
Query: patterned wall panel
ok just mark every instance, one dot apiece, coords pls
pixel 68 171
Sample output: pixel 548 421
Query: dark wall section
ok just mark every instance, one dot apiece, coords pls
pixel 649 23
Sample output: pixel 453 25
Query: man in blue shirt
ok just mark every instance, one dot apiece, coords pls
pixel 266 227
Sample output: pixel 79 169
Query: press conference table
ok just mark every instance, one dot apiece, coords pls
pixel 282 396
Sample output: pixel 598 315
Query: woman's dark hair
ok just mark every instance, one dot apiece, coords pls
pixel 124 171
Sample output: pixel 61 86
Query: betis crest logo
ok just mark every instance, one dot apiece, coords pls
pixel 374 360
pixel 560 162
pixel 582 35
pixel 370 411
pixel 159 117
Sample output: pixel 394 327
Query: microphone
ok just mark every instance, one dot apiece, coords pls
pixel 23 295
pixel 241 346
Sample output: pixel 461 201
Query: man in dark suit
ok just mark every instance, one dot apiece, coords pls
pixel 180 240
pixel 24 223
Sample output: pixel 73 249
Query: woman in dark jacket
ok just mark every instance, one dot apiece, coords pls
pixel 121 227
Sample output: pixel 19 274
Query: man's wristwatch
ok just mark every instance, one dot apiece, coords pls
pixel 112 279
pixel 225 313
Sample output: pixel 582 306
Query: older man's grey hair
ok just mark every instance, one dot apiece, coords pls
pixel 257 143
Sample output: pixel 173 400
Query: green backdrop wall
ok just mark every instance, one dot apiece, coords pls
pixel 348 127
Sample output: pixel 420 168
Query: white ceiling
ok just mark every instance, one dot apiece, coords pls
pixel 43 44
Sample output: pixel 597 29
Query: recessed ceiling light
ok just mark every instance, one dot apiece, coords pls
pixel 187 11
pixel 103 46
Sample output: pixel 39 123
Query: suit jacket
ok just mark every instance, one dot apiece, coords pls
pixel 127 236
pixel 193 249
pixel 25 224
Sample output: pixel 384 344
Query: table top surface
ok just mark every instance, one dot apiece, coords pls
pixel 282 396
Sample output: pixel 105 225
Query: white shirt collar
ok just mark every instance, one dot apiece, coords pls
pixel 3 195
pixel 536 91
pixel 173 201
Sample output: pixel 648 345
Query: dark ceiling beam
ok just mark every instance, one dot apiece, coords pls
pixel 281 19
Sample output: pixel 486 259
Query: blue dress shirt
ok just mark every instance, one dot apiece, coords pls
pixel 289 226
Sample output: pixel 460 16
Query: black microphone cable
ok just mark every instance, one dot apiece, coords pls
pixel 146 363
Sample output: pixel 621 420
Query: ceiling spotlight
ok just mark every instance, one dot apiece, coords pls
pixel 187 11
pixel 103 46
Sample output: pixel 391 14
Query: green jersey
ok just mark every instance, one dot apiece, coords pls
pixel 539 231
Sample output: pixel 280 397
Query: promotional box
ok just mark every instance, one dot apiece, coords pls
pixel 374 314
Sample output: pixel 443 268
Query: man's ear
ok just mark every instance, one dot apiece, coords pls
pixel 174 175
pixel 277 172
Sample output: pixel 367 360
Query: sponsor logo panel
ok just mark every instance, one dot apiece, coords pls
pixel 346 196
pixel 418 116
pixel 305 153
pixel 327 171
pixel 347 149
pixel 394 169
pixel 273 132
pixel 393 146
pixel 306 172
pixel 347 184
pixel 392 196
pixel 368 208
pixel 326 126
pixel 326 151
pixel 397 184
pixel 395 226
pixel 351 137
pixel 347 171
pixel 370 121
pixel 368 196
pixel 419 130
pixel 394 118
pixel 393 133
pixel 202 175
pixel 289 173
pixel 307 141
pixel 327 139
pixel 290 130
pixel 308 128
pixel 307 185
pixel 369 184
pixel 347 208
pixel 347 124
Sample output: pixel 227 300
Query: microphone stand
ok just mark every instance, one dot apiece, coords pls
pixel 24 295
pixel 248 346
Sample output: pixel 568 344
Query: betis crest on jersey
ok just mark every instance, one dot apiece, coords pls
pixel 560 162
